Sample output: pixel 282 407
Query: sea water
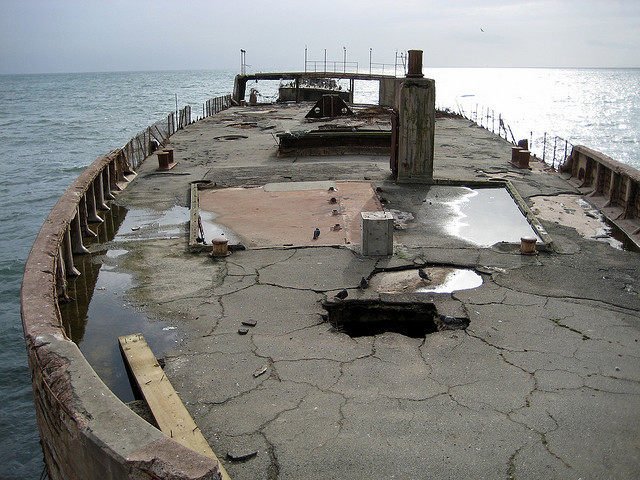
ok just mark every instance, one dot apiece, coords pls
pixel 53 126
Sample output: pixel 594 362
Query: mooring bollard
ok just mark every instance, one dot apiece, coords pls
pixel 163 160
pixel 528 246
pixel 220 247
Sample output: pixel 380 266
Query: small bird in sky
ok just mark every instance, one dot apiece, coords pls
pixel 342 294
pixel 423 275
pixel 316 233
pixel 481 29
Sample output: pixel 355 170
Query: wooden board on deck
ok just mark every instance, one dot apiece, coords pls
pixel 168 410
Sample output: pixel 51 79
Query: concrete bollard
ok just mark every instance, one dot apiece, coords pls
pixel 220 247
pixel 377 233
pixel 528 246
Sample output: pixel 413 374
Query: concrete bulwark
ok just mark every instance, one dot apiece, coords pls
pixel 542 383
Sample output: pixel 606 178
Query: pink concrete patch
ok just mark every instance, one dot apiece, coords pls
pixel 275 218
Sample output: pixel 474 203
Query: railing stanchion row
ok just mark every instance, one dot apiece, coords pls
pixel 111 178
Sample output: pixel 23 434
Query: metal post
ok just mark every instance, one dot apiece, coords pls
pixel 305 59
pixel 544 146
pixel 395 66
pixel 370 53
pixel 553 162
pixel 344 60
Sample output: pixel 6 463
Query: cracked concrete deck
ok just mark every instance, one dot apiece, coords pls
pixel 544 383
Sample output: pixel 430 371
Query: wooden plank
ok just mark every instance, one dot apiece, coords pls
pixel 168 410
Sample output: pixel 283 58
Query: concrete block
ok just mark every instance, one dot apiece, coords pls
pixel 377 233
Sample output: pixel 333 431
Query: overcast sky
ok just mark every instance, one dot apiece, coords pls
pixel 113 35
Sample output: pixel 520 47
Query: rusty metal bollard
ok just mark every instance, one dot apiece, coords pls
pixel 528 246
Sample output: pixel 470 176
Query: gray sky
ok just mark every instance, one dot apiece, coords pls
pixel 112 35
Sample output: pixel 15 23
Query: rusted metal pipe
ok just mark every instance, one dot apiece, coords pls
pixel 415 64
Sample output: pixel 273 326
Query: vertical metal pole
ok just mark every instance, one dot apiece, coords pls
pixel 395 66
pixel 555 140
pixel 493 121
pixel 544 147
pixel 305 59
pixel 370 53
pixel 344 60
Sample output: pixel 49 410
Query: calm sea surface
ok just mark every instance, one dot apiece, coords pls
pixel 52 126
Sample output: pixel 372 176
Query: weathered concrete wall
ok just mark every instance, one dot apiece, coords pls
pixel 86 431
pixel 416 99
pixel 387 91
pixel 611 186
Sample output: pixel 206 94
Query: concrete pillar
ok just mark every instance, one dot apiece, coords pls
pixel 98 189
pixel 416 100
pixel 92 208
pixel 67 252
pixel 387 88
pixel 416 105
pixel 106 182
pixel 84 218
pixel 239 88
pixel 76 234
pixel 631 201
pixel 61 277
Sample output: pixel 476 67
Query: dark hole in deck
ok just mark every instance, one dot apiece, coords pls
pixel 361 318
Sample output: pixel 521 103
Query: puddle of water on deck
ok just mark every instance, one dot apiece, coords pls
pixel 442 280
pixel 95 321
pixel 153 224
pixel 483 216
pixel 458 279
pixel 100 311
pixel 213 230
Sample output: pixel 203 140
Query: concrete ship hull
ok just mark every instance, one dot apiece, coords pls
pixel 304 355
